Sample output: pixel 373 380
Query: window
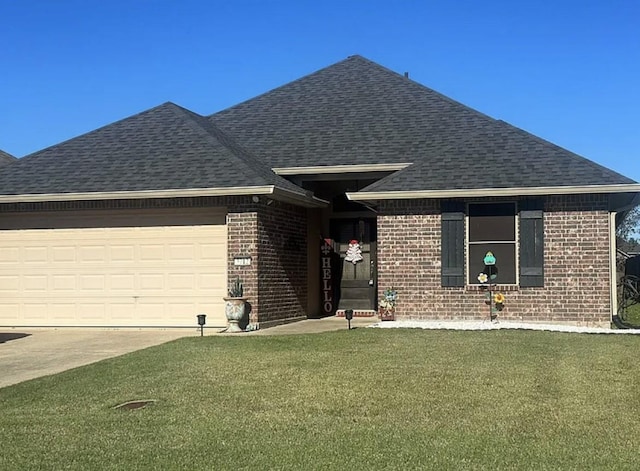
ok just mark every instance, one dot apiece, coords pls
pixel 492 227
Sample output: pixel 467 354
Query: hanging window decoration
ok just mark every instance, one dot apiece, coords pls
pixel 354 253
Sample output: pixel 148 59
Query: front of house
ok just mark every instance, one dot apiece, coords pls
pixel 319 195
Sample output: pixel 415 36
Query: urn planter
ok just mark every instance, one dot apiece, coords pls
pixel 234 309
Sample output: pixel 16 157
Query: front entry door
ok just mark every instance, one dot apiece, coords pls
pixel 357 280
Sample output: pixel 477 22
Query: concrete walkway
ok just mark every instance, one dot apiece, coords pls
pixel 31 353
pixel 314 326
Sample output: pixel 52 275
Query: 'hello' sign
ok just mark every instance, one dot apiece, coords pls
pixel 326 276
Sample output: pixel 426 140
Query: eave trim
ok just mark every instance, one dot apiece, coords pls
pixel 324 169
pixel 276 193
pixel 486 192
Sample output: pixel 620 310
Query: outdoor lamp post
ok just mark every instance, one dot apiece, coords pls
pixel 202 319
pixel 348 314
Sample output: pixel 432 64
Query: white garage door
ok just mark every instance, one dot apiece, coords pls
pixel 113 268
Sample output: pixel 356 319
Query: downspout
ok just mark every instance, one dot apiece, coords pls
pixel 613 272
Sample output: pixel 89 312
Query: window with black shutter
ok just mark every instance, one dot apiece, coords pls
pixel 492 228
pixel 531 243
pixel 452 263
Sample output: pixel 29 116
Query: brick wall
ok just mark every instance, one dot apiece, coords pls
pixel 275 237
pixel 577 275
pixel 282 263
pixel 242 241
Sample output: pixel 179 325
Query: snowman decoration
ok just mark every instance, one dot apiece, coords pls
pixel 354 253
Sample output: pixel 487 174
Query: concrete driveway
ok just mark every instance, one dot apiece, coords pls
pixel 31 353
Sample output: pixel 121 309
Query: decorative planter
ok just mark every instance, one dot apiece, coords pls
pixel 234 309
pixel 387 314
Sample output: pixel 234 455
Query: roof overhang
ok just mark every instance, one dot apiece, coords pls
pixel 487 192
pixel 325 169
pixel 272 191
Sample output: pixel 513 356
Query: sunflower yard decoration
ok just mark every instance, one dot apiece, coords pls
pixel 487 278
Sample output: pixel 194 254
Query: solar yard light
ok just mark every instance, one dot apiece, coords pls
pixel 348 315
pixel 202 320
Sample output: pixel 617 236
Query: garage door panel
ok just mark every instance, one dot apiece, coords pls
pixel 181 282
pixel 151 282
pixel 113 276
pixel 122 284
pixel 213 281
pixel 210 251
pixel 151 252
pixel 63 282
pixel 10 312
pixel 34 255
pixel 9 285
pixel 9 255
pixel 61 313
pixel 122 312
pixel 122 253
pixel 150 311
pixel 215 313
pixel 92 282
pixel 65 253
pixel 93 254
pixel 34 283
pixel 35 311
pixel 181 252
pixel 92 312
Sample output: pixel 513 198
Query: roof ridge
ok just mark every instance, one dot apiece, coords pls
pixel 371 63
pixel 203 126
pixel 310 74
pixel 431 90
pixel 6 156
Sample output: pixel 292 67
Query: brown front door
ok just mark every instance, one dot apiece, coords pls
pixel 355 238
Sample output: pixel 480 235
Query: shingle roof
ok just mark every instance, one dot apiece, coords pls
pixel 164 148
pixel 354 112
pixel 6 158
pixel 358 112
pixel 498 156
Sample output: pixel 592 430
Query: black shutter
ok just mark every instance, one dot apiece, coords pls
pixel 531 243
pixel 452 243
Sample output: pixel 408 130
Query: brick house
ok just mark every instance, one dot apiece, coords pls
pixel 146 221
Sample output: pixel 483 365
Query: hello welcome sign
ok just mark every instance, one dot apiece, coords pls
pixel 326 277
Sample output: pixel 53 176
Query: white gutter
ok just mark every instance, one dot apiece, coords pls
pixel 484 192
pixel 324 169
pixel 613 271
pixel 276 193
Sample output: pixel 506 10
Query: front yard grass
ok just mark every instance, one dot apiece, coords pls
pixel 361 399
pixel 632 316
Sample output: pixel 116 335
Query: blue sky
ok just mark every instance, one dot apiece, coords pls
pixel 567 71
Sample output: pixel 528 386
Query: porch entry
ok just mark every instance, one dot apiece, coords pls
pixel 356 277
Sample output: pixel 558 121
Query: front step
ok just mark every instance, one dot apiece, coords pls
pixel 358 313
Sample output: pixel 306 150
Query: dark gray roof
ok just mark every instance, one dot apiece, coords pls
pixel 6 158
pixel 164 148
pixel 498 156
pixel 353 112
pixel 358 112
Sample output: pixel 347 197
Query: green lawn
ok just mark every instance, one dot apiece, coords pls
pixel 361 399
pixel 632 316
